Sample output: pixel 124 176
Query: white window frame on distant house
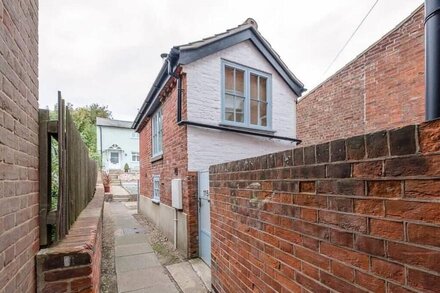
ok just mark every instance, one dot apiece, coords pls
pixel 255 99
pixel 135 156
pixel 156 134
pixel 117 157
pixel 156 189
pixel 135 135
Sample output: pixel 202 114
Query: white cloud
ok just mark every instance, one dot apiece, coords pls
pixel 108 51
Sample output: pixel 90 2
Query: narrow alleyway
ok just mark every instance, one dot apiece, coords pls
pixel 139 258
pixel 137 266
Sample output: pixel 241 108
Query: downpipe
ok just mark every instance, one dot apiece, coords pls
pixel 175 228
pixel 432 59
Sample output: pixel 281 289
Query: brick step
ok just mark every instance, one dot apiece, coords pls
pixel 120 198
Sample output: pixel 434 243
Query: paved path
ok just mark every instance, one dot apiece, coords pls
pixel 137 267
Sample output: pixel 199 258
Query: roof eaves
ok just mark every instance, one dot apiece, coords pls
pixel 191 54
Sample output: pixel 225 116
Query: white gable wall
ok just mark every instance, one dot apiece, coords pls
pixel 123 137
pixel 206 146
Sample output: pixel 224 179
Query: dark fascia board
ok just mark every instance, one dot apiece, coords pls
pixel 158 83
pixel 190 55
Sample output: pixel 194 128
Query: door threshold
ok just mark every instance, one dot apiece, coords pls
pixel 202 270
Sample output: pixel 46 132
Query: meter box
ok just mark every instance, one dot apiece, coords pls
pixel 176 193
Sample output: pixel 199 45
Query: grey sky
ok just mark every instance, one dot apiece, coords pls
pixel 108 51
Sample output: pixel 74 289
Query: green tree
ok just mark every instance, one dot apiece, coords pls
pixel 85 120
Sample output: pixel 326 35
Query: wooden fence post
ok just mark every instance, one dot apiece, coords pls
pixel 45 174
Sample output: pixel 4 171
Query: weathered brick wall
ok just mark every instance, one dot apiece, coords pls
pixel 353 215
pixel 18 144
pixel 74 264
pixel 382 88
pixel 174 162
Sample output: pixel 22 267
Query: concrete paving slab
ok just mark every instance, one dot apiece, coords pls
pixel 132 249
pixel 131 239
pixel 136 262
pixel 186 278
pixel 154 277
pixel 203 271
pixel 131 205
pixel 125 223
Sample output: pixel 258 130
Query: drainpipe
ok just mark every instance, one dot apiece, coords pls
pixel 100 142
pixel 175 229
pixel 432 59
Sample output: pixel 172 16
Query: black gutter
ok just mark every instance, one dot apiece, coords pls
pixel 181 122
pixel 432 59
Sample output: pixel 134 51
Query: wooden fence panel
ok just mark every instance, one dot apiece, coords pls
pixel 77 173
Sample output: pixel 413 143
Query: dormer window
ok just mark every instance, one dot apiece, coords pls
pixel 246 96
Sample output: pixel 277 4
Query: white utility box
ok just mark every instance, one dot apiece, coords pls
pixel 176 193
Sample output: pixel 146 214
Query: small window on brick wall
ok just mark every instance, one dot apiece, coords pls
pixel 156 188
pixel 157 133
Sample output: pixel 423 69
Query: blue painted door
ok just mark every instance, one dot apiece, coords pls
pixel 204 218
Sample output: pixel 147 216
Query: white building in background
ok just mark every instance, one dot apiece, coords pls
pixel 118 144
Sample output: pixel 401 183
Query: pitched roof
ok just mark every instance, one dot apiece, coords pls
pixel 190 52
pixel 113 123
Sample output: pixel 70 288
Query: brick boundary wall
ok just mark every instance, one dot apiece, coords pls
pixel 352 215
pixel 382 88
pixel 19 234
pixel 74 264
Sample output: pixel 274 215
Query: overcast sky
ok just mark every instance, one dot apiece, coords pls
pixel 108 51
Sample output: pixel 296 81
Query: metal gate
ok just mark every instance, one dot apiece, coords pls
pixel 204 218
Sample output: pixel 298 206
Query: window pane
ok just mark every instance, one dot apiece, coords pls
pixel 263 90
pixel 229 78
pixel 254 87
pixel 254 112
pixel 239 82
pixel 229 107
pixel 229 116
pixel 156 130
pixel 239 117
pixel 263 114
pixel 239 109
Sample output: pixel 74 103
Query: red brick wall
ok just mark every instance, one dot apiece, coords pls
pixel 18 145
pixel 353 215
pixel 174 163
pixel 382 88
pixel 74 264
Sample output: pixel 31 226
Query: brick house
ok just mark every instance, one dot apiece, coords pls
pixel 382 88
pixel 223 98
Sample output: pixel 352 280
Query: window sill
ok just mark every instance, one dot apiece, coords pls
pixel 156 158
pixel 156 201
pixel 251 129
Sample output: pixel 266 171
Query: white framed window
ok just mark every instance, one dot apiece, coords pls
pixel 135 156
pixel 156 188
pixel 135 135
pixel 246 96
pixel 114 157
pixel 156 132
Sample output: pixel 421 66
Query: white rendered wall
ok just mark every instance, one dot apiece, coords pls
pixel 124 138
pixel 206 146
